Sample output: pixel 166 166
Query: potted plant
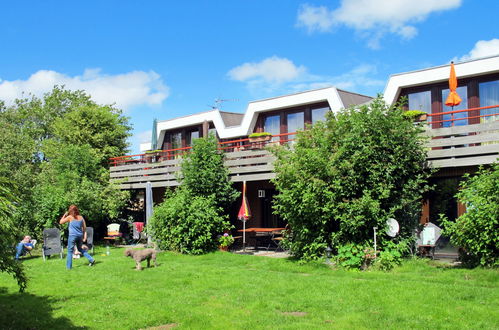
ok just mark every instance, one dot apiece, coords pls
pixel 260 137
pixel 225 241
pixel 415 115
pixel 152 155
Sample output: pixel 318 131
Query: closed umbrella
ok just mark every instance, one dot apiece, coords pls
pixel 244 213
pixel 154 138
pixel 453 99
pixel 149 206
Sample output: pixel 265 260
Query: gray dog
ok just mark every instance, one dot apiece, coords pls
pixel 140 255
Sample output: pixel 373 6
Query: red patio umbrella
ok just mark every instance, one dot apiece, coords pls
pixel 453 99
pixel 244 213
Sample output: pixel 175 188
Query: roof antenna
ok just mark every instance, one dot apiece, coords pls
pixel 218 103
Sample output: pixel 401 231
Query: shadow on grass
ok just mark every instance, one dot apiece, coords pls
pixel 27 311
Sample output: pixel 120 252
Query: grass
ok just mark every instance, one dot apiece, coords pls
pixel 228 291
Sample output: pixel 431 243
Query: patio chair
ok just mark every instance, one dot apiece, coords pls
pixel 33 241
pixel 137 232
pixel 52 243
pixel 90 239
pixel 280 236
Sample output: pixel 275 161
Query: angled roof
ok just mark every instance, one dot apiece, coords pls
pixel 348 98
pixel 232 125
pixel 438 74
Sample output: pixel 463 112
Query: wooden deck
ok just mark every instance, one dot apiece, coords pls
pixel 451 147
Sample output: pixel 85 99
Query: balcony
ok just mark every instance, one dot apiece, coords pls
pixel 457 139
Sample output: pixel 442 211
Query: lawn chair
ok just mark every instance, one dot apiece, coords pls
pixel 137 232
pixel 90 239
pixel 33 241
pixel 427 240
pixel 52 243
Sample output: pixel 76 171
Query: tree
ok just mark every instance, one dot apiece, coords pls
pixel 192 216
pixel 477 230
pixel 9 235
pixel 349 174
pixel 204 173
pixel 56 151
pixel 74 175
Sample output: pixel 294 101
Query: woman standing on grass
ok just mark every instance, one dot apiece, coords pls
pixel 77 235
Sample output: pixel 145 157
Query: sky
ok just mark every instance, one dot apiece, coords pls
pixel 165 59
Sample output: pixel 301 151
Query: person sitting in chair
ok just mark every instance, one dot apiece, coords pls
pixel 23 246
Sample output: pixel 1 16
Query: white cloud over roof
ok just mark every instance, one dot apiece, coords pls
pixel 125 90
pixel 483 48
pixel 373 18
pixel 272 70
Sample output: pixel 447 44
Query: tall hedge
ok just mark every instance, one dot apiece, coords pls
pixel 192 216
pixel 349 174
pixel 477 230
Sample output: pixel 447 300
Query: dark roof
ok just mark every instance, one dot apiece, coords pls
pixel 231 118
pixel 348 98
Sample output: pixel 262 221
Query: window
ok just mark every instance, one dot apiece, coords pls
pixel 213 131
pixel 489 95
pixel 176 140
pixel 272 125
pixel 452 119
pixel 296 121
pixel 191 136
pixel 420 101
pixel 319 114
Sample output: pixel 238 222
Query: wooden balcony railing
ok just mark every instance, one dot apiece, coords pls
pixel 458 138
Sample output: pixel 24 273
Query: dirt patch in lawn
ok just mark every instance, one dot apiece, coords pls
pixel 295 313
pixel 163 327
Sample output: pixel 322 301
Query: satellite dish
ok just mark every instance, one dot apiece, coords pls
pixel 392 227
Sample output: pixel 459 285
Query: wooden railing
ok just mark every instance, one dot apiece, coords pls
pixel 451 144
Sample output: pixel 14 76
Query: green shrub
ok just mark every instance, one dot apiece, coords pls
pixel 259 134
pixel 391 255
pixel 349 174
pixel 477 230
pixel 188 224
pixel 412 114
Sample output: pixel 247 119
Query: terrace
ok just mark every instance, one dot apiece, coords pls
pixel 460 138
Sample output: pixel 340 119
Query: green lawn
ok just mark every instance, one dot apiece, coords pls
pixel 228 291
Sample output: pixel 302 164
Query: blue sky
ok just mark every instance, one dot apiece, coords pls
pixel 164 59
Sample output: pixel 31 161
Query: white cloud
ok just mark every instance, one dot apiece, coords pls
pixel 373 18
pixel 276 74
pixel 483 48
pixel 275 70
pixel 125 90
pixel 360 77
pixel 315 18
pixel 143 137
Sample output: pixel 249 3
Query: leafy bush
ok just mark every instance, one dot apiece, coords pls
pixel 204 173
pixel 391 255
pixel 259 134
pixel 477 230
pixel 226 240
pixel 413 114
pixel 349 174
pixel 187 224
pixel 9 234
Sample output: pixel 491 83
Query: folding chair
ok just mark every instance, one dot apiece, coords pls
pixel 52 243
pixel 138 232
pixel 278 238
pixel 90 239
pixel 33 241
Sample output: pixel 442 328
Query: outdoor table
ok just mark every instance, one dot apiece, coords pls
pixel 262 231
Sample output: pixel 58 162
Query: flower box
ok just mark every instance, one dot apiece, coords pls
pixel 263 138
